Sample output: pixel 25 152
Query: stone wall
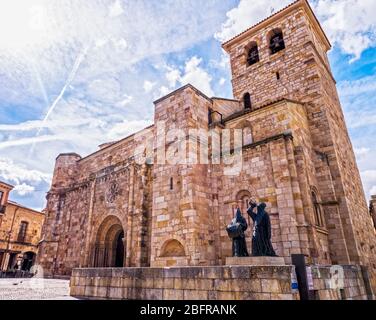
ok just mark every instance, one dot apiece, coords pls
pixel 188 283
pixel 338 283
pixel 91 195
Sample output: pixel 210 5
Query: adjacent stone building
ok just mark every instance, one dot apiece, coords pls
pixel 20 233
pixel 111 209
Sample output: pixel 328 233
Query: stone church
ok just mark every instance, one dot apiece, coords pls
pixel 108 209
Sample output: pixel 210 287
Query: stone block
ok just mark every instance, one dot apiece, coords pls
pixel 195 295
pixel 255 261
pixel 171 294
pixel 115 293
pixel 226 295
pixel 152 294
pixel 270 286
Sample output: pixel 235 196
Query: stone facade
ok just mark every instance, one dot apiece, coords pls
pixel 190 283
pixel 111 209
pixel 338 283
pixel 218 283
pixel 20 233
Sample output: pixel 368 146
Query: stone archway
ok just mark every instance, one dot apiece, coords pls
pixel 243 199
pixel 109 248
pixel 28 260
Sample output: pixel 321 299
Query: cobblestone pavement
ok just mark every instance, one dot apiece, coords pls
pixel 34 289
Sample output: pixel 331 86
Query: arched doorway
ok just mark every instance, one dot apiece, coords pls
pixel 27 261
pixel 109 249
pixel 119 258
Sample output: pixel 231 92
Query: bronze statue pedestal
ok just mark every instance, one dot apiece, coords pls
pixel 255 261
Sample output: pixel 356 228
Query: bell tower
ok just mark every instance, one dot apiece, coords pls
pixel 285 57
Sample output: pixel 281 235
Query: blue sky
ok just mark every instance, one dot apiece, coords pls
pixel 77 73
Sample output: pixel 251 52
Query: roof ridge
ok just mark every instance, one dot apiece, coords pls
pixel 261 21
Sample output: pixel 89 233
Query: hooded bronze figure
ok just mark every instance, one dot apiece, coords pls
pixel 262 232
pixel 236 231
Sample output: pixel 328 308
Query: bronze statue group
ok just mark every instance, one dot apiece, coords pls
pixel 261 236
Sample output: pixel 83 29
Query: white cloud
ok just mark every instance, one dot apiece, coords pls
pixel 148 86
pixel 16 173
pixel 350 24
pixel 85 65
pixel 373 191
pixel 163 91
pixel 173 76
pixel 197 76
pixel 357 87
pixel 126 127
pixel 222 81
pixel 32 140
pixel 192 73
pixel 116 9
pixel 39 124
pixel 24 189
pixel 246 14
pixel 369 181
pixel 361 152
pixel 125 101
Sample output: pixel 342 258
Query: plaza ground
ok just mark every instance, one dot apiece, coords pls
pixel 34 289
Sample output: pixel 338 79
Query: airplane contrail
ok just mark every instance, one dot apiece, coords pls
pixel 71 77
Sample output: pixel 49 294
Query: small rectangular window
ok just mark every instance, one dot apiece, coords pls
pixel 22 232
pixel 172 184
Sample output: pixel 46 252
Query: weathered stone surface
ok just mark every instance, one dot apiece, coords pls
pixel 201 287
pixel 255 261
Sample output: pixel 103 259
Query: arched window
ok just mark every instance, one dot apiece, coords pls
pixel 253 54
pixel 276 42
pixel 319 218
pixel 247 101
pixel 243 200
